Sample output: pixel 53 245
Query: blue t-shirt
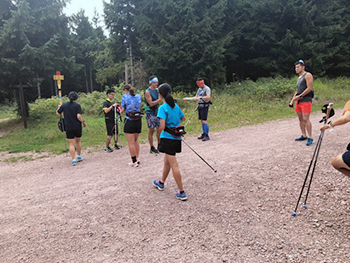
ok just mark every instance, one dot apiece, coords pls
pixel 131 103
pixel 172 117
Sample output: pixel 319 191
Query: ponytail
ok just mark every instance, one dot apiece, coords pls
pixel 165 91
pixel 170 100
pixel 131 90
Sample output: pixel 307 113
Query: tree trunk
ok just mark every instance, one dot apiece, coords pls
pixel 39 92
pixel 131 63
pixel 91 85
pixel 86 81
pixel 126 74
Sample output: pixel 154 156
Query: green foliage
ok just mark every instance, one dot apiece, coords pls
pixel 244 103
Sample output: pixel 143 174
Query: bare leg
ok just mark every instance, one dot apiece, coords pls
pixel 131 143
pixel 137 145
pixel 78 143
pixel 307 123
pixel 166 168
pixel 72 148
pixel 302 124
pixel 150 136
pixel 339 164
pixel 176 170
pixel 108 140
pixel 158 135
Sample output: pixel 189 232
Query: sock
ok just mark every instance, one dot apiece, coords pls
pixel 133 158
pixel 206 126
pixel 203 128
pixel 181 192
pixel 160 182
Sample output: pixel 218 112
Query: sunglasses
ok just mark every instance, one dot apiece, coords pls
pixel 301 62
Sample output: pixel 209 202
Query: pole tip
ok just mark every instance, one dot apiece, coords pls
pixel 294 214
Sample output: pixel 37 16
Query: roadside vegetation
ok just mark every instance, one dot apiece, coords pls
pixel 234 105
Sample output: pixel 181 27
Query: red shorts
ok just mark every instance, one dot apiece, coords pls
pixel 303 107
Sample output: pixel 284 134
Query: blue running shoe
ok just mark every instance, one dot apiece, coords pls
pixel 158 184
pixel 181 196
pixel 74 162
pixel 79 158
pixel 301 138
pixel 309 141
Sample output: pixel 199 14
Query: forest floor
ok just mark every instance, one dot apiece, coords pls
pixel 104 211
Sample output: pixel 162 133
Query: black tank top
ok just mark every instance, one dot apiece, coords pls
pixel 301 86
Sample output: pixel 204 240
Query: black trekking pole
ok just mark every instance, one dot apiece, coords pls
pixel 199 156
pixel 329 113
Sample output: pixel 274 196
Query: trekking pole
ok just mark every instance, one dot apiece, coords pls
pixel 199 156
pixel 315 154
pixel 191 115
pixel 329 108
pixel 115 126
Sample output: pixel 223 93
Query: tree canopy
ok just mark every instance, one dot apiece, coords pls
pixel 219 40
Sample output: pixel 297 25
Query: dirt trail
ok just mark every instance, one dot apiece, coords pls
pixel 103 211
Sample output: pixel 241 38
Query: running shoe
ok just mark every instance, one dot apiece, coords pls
pixel 74 162
pixel 153 150
pixel 309 141
pixel 134 165
pixel 158 184
pixel 206 138
pixel 79 158
pixel 116 147
pixel 181 196
pixel 301 138
pixel 108 150
pixel 201 137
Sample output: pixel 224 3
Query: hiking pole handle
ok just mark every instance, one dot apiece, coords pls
pixel 329 108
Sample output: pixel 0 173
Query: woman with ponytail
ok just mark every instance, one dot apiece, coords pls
pixel 170 116
pixel 131 104
pixel 72 123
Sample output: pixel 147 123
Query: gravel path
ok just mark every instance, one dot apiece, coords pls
pixel 104 211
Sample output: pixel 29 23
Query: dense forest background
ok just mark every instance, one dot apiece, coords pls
pixel 221 40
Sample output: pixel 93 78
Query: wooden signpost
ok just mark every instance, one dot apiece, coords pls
pixel 20 87
pixel 58 77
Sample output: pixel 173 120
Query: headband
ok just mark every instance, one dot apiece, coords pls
pixel 154 80
pixel 200 82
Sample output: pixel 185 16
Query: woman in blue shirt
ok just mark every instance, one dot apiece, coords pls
pixel 170 116
pixel 131 103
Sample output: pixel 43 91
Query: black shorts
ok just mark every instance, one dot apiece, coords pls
pixel 74 134
pixel 132 126
pixel 110 128
pixel 203 113
pixel 169 146
pixel 346 158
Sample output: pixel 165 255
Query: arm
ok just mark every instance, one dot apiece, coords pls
pixel 309 82
pixel 106 110
pixel 207 97
pixel 81 119
pixel 148 98
pixel 340 121
pixel 162 125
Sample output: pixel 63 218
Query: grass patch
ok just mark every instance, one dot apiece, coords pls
pixel 234 105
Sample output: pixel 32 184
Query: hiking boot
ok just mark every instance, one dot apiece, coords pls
pixel 206 138
pixel 201 137
pixel 301 138
pixel 153 150
pixel 158 184
pixel 116 147
pixel 108 150
pixel 309 141
pixel 181 196
pixel 79 158
pixel 74 162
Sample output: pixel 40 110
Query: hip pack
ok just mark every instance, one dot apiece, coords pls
pixel 134 115
pixel 176 131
